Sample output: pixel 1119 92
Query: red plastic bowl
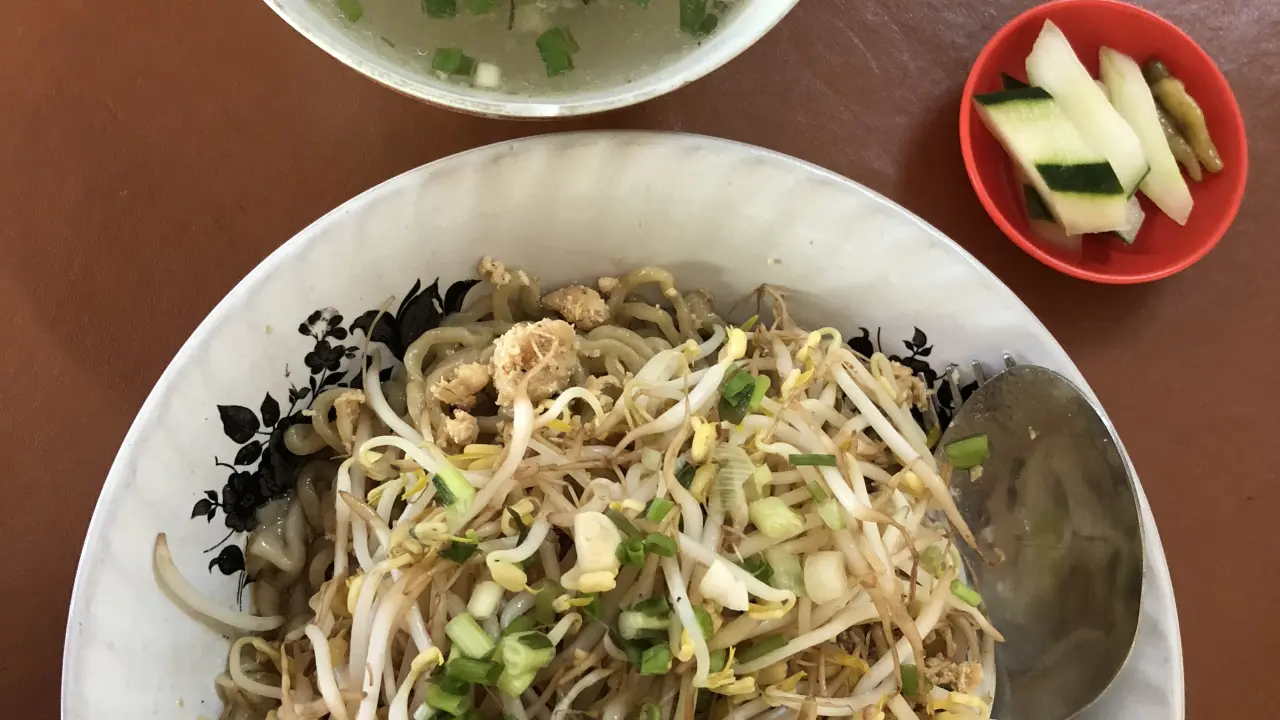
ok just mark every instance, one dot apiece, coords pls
pixel 1162 247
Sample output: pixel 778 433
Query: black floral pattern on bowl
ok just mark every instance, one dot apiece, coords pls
pixel 261 469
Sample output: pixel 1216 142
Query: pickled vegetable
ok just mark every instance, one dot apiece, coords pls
pixel 1179 146
pixel 1185 111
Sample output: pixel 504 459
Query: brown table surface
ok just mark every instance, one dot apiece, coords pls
pixel 151 152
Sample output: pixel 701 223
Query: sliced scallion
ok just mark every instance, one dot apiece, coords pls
pixel 813 459
pixel 704 621
pixel 685 474
pixel 440 8
pixel 626 526
pixel 660 545
pixel 514 684
pixel 632 624
pixel 758 568
pixel 452 488
pixel 965 593
pixel 968 452
pixel 526 652
pixel 736 382
pixel 470 639
pixel 544 602
pixel 480 672
pixel 449 695
pixel 522 623
pixel 452 61
pixel 351 10
pixel 758 392
pixel 658 509
pixel 556 47
pixel 910 679
pixel 459 550
pixel 655 660
pixel 718 660
pixel 656 606
pixel 594 609
pixel 760 647
pixel 631 552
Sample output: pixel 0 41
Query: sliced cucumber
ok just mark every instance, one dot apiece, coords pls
pixel 1043 226
pixel 1076 182
pixel 1132 98
pixel 1136 216
pixel 1053 65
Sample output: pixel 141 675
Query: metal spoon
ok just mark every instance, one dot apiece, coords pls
pixel 1056 501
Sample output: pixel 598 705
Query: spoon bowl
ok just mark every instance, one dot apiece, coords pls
pixel 1055 511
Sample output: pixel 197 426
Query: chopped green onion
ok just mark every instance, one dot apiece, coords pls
pixel 787 572
pixel 685 474
pixel 707 25
pixel 704 622
pixel 440 8
pixel 832 514
pixel 351 10
pixel 632 623
pixel 660 545
pixel 595 609
pixel 654 606
pixel 634 652
pixel 750 323
pixel 453 489
pixel 526 652
pixel 815 459
pixel 760 647
pixel 658 509
pixel 480 672
pixel 544 602
pixel 758 568
pixel 655 660
pixel 522 623
pixel 736 382
pixel 758 392
pixel 735 394
pixel 773 517
pixel 910 679
pixel 459 550
pixel 452 61
pixel 969 452
pixel 467 635
pixel 718 660
pixel 625 525
pixel 816 492
pixel 965 593
pixel 514 684
pixel 649 711
pixel 480 7
pixel 631 552
pixel 557 46
pixel 449 695
pixel 522 530
pixel 691 13
pixel 932 559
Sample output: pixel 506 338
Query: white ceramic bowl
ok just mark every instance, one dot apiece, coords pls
pixel 722 216
pixel 746 23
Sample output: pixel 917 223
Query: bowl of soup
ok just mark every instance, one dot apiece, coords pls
pixel 533 58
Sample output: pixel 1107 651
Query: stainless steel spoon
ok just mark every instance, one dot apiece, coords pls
pixel 1056 503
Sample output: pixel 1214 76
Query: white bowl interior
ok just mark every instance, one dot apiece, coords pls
pixel 722 216
pixel 748 21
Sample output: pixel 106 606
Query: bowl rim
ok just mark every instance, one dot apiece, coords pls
pixel 304 238
pixel 709 56
pixel 1018 237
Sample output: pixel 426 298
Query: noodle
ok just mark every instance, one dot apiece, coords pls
pixel 618 531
